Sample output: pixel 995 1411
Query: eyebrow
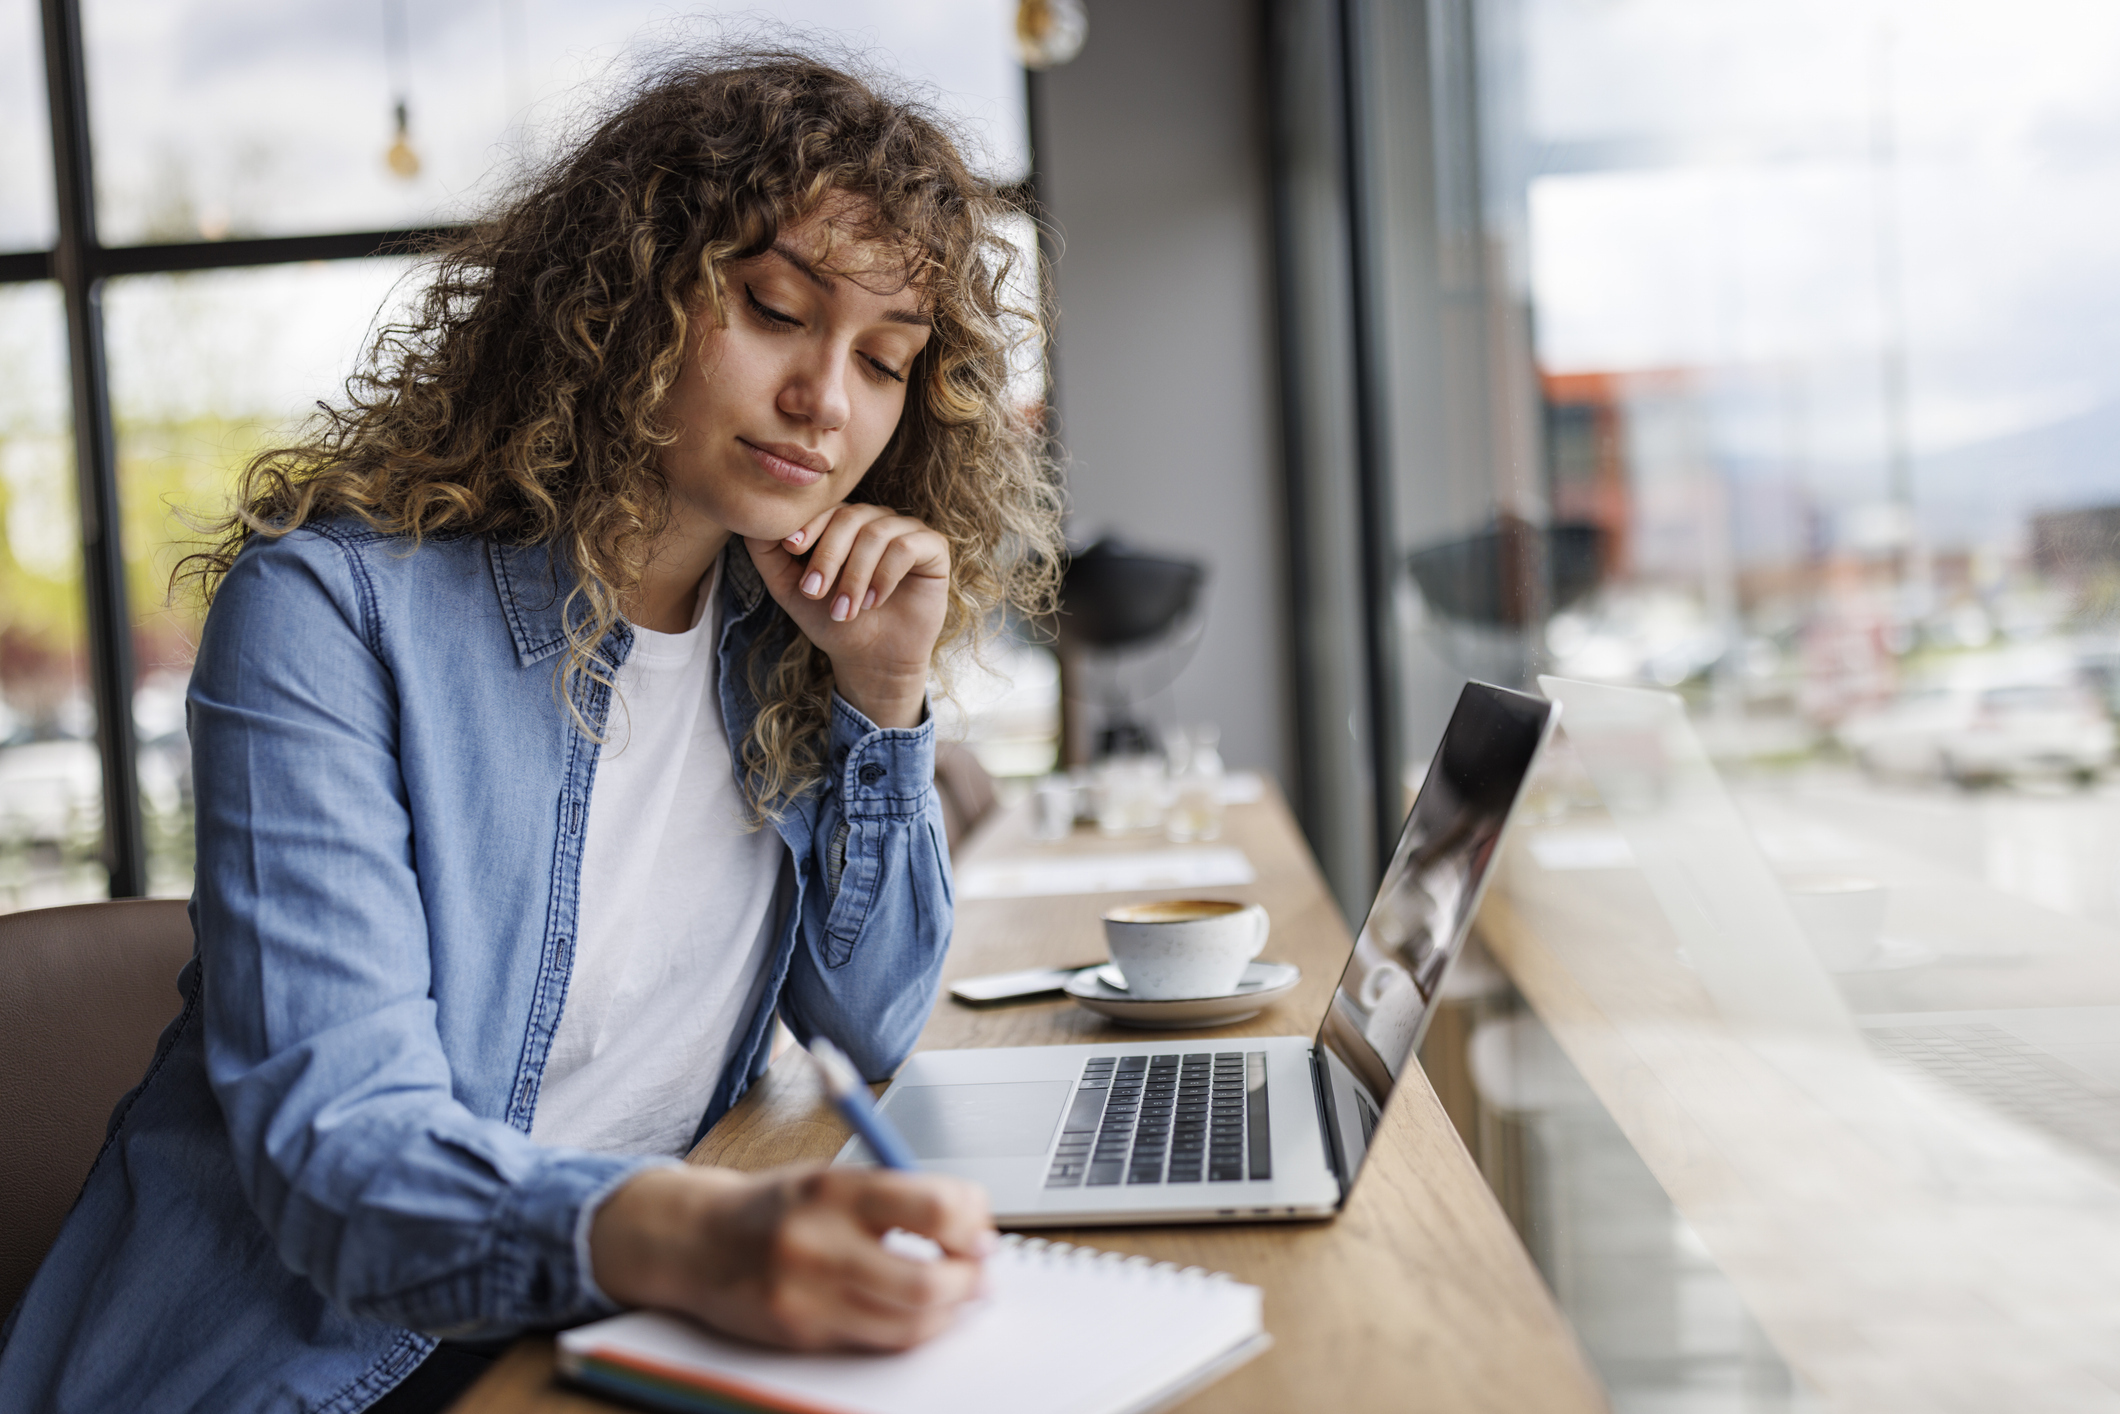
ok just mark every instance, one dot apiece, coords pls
pixel 917 318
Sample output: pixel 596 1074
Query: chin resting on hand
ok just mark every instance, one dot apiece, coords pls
pixel 871 588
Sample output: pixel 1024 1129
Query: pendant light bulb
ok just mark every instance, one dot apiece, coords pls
pixel 402 159
pixel 1050 32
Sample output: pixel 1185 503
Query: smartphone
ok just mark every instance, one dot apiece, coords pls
pixel 1014 986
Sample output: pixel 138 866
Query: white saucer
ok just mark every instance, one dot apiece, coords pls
pixel 1103 991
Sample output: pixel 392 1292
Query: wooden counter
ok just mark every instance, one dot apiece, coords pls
pixel 1417 1295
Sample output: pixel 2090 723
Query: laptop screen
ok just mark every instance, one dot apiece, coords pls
pixel 1424 907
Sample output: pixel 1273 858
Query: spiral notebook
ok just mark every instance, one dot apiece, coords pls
pixel 1063 1330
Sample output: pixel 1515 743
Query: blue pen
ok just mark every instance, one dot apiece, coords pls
pixel 843 1084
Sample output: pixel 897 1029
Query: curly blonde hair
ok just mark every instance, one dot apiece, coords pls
pixel 520 399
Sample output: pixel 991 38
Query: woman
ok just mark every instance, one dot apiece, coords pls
pixel 558 721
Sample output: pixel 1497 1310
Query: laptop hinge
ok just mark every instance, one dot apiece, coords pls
pixel 1321 1082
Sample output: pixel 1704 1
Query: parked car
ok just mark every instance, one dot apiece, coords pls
pixel 1972 734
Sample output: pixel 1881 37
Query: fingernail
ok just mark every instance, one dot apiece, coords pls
pixel 868 600
pixel 989 1243
pixel 796 538
pixel 814 585
pixel 842 607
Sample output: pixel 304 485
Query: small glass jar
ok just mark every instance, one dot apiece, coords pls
pixel 1053 808
pixel 1196 795
pixel 1130 794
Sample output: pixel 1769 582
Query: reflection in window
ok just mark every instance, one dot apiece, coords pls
pixel 27 221
pixel 206 369
pixel 51 780
pixel 1664 1326
pixel 1826 339
pixel 218 118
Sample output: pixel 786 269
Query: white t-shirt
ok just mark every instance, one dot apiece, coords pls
pixel 676 917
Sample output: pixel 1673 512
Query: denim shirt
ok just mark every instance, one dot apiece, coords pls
pixel 328 1164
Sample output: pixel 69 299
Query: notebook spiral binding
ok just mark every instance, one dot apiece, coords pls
pixel 1056 1252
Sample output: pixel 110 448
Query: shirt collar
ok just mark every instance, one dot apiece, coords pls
pixel 528 579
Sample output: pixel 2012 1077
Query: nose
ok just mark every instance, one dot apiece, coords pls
pixel 815 390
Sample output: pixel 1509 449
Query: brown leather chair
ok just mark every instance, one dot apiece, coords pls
pixel 84 994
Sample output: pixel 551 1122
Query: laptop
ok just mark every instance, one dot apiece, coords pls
pixel 1241 1128
pixel 2055 1069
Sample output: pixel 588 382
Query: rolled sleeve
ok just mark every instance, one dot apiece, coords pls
pixel 877 931
pixel 881 771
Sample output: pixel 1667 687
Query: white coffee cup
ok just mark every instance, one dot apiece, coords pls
pixel 1175 949
pixel 1843 914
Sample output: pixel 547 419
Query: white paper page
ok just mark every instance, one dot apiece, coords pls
pixel 1060 1334
pixel 1192 867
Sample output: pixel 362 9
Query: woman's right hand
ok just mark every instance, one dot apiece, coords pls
pixel 794 1257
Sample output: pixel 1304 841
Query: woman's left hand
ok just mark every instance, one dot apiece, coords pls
pixel 872 595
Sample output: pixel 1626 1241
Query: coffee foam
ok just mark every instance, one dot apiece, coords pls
pixel 1176 910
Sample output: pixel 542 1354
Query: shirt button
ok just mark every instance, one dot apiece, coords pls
pixel 871 773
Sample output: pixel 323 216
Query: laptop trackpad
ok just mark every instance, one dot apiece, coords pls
pixel 1005 1120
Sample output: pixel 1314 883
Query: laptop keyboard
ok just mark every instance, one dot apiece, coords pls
pixel 2020 1080
pixel 1166 1119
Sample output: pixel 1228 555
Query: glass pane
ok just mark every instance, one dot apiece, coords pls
pixel 216 118
pixel 27 221
pixel 207 369
pixel 1661 1322
pixel 1826 342
pixel 51 779
pixel 1819 347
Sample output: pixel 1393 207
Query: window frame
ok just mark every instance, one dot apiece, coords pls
pixel 80 264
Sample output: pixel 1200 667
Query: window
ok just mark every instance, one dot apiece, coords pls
pixel 249 160
pixel 27 221
pixel 1761 353
pixel 205 369
pixel 51 815
pixel 1825 349
pixel 391 114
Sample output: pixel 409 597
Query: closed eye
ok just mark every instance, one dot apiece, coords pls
pixel 884 370
pixel 766 312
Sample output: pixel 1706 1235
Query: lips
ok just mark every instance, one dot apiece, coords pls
pixel 791 465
